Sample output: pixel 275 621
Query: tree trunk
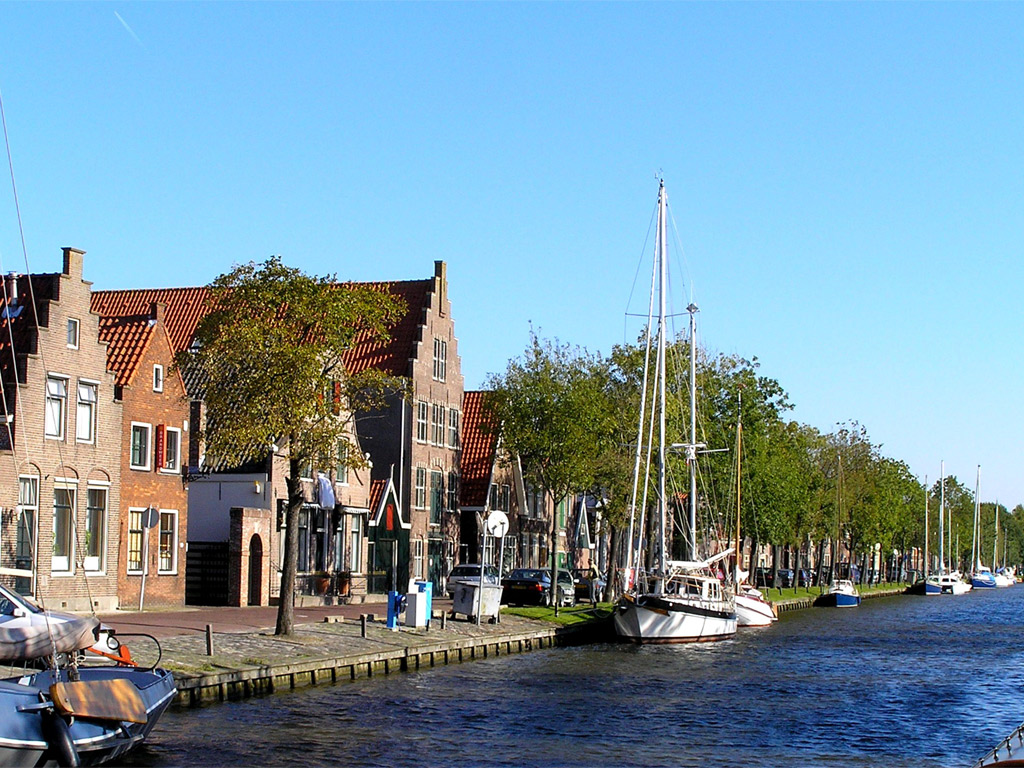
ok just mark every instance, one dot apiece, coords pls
pixel 289 565
pixel 554 553
pixel 613 565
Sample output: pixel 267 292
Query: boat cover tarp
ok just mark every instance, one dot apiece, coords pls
pixel 23 643
pixel 116 699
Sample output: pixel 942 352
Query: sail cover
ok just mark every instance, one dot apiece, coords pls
pixel 61 636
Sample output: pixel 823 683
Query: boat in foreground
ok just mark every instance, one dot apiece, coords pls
pixel 81 700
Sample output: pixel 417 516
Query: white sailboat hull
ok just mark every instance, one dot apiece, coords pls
pixel 672 619
pixel 753 611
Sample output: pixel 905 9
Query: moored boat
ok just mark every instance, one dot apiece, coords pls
pixel 944 583
pixel 841 594
pixel 677 601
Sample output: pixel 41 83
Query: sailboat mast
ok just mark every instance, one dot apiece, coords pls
pixel 692 458
pixel 739 460
pixel 942 516
pixel 976 538
pixel 995 538
pixel 926 526
pixel 662 290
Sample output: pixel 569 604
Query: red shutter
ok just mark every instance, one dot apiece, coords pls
pixel 161 442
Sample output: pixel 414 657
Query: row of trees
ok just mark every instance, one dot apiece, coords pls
pixel 572 416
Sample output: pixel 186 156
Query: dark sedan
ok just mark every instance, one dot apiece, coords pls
pixel 532 586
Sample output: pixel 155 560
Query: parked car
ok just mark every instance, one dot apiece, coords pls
pixel 532 586
pixel 589 584
pixel 469 573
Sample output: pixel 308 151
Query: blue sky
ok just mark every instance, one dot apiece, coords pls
pixel 846 178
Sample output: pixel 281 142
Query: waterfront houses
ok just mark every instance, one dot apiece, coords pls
pixel 154 435
pixel 61 443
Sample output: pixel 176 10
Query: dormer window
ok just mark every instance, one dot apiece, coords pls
pixel 158 378
pixel 72 333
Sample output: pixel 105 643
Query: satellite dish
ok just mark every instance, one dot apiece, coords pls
pixel 497 524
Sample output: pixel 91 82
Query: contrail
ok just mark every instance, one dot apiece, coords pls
pixel 130 30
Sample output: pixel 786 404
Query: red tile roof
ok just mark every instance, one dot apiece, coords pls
pixel 479 446
pixel 392 356
pixel 127 339
pixel 186 307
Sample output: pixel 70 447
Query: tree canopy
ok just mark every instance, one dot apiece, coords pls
pixel 268 357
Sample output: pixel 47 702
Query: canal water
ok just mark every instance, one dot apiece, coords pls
pixel 901 681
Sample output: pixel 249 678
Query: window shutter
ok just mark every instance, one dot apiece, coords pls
pixel 161 444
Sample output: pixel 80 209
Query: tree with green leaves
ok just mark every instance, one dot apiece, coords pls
pixel 551 410
pixel 269 360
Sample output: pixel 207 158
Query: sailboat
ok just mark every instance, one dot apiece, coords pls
pixel 752 609
pixel 1004 576
pixel 679 601
pixel 981 576
pixel 944 582
pixel 841 592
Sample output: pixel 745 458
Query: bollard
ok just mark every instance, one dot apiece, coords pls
pixel 209 639
pixel 444 619
pixel 362 624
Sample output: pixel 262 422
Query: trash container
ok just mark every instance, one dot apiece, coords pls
pixel 465 600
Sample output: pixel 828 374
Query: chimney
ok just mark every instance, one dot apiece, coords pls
pixel 441 286
pixel 73 262
pixel 157 312
pixel 11 288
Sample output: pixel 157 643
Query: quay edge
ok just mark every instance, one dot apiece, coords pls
pixel 198 689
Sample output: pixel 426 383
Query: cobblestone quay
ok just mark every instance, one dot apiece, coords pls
pixel 328 647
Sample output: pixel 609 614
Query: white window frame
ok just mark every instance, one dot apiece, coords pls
pixel 28 511
pixel 420 499
pixel 437 424
pixel 176 468
pixel 97 564
pixel 141 512
pixel 74 330
pixel 173 570
pixel 64 564
pixel 341 466
pixel 356 537
pixel 422 416
pixel 418 558
pixel 61 401
pixel 91 407
pixel 158 378
pixel 149 446
pixel 440 359
pixel 453 427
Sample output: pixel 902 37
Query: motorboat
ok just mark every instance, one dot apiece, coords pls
pixel 948 583
pixel 841 594
pixel 81 699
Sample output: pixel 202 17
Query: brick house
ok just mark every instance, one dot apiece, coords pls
pixel 155 435
pixel 60 448
pixel 415 441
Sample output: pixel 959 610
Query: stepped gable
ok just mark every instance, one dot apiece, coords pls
pixel 479 446
pixel 185 307
pixel 394 355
